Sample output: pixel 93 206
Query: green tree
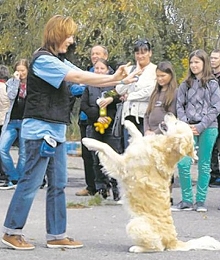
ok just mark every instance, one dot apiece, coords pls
pixel 174 27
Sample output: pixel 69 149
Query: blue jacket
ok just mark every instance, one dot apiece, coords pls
pixel 77 91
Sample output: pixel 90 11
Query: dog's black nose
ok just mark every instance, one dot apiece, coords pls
pixel 169 113
pixel 163 126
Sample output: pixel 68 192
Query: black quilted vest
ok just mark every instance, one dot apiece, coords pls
pixel 45 102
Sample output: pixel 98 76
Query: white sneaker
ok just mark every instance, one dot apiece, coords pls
pixel 182 206
pixel 8 185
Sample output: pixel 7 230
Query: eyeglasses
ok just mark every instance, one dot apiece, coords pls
pixel 142 42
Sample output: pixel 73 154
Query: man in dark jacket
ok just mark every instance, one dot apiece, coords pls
pixel 215 172
pixel 97 51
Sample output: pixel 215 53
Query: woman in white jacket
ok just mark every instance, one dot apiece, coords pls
pixel 136 95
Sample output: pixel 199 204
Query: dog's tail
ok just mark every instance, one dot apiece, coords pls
pixel 206 242
pixel 111 161
pixel 202 243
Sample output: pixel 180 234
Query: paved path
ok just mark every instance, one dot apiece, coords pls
pixel 102 228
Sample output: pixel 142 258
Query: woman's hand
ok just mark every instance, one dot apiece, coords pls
pixel 103 120
pixel 148 132
pixel 138 67
pixel 105 102
pixel 124 97
pixel 194 130
pixel 17 75
pixel 121 74
pixel 132 77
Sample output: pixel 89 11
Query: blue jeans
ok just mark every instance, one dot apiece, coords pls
pixel 205 141
pixel 8 137
pixel 35 169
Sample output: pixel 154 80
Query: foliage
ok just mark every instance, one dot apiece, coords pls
pixel 76 205
pixel 95 200
pixel 73 131
pixel 174 27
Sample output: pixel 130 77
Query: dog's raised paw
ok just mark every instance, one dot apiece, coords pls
pixel 137 249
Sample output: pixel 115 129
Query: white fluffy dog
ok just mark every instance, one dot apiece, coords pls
pixel 145 170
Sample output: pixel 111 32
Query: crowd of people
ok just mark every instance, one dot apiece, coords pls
pixel 35 106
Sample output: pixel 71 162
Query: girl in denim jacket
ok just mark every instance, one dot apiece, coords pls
pixel 11 130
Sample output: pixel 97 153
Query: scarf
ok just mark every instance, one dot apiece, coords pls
pixel 22 90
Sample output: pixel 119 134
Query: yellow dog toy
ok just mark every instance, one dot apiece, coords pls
pixel 100 127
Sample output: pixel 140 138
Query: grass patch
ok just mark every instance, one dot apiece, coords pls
pixel 73 205
pixel 95 200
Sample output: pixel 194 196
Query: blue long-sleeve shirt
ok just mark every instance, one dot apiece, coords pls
pixel 77 90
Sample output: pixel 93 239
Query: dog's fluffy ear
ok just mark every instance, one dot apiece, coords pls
pixel 186 147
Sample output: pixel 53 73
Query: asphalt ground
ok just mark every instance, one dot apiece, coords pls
pixel 102 228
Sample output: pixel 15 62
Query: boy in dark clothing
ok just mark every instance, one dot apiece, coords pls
pixel 215 172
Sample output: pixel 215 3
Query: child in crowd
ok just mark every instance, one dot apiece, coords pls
pixel 93 108
pixel 198 104
pixel 162 100
pixel 11 130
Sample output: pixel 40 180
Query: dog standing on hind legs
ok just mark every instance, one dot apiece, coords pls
pixel 145 170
